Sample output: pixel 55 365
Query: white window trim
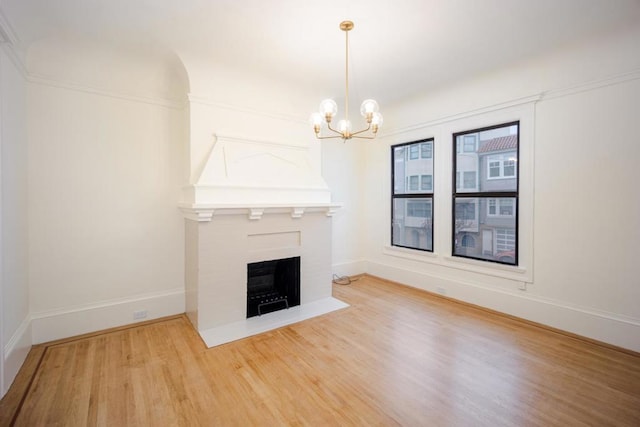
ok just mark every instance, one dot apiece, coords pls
pixel 522 111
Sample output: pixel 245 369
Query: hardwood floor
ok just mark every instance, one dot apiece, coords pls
pixel 396 356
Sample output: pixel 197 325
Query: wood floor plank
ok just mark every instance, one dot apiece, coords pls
pixel 396 356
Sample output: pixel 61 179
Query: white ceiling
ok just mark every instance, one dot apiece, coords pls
pixel 397 47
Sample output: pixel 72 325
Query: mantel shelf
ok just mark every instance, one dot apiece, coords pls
pixel 204 212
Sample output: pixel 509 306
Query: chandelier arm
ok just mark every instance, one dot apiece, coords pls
pixel 334 130
pixel 361 131
pixel 328 137
pixel 363 137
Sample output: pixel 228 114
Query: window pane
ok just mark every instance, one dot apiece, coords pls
pixel 413 183
pixel 426 150
pixel 410 167
pixel 412 223
pixel 491 156
pixel 426 182
pixel 469 180
pixel 504 206
pixel 492 207
pixel 470 143
pixel 509 168
pixel 494 169
pixel 479 234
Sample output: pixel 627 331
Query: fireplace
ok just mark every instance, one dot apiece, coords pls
pixel 272 285
pixel 255 202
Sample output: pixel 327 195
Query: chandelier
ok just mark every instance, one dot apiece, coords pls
pixel 329 108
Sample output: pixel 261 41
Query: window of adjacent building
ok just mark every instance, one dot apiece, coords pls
pixel 485 199
pixel 412 195
pixel 413 182
pixel 500 207
pixel 501 166
pixel 426 182
pixel 413 152
pixel 426 150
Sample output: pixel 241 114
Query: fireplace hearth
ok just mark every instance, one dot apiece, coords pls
pixel 272 285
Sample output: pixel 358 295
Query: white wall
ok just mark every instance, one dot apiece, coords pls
pixel 16 333
pixel 343 166
pixel 105 235
pixel 579 108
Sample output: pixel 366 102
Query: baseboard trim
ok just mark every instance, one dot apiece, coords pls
pixel 349 268
pixel 15 353
pixel 605 328
pixel 65 323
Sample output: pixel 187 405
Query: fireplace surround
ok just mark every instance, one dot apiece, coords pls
pixel 254 201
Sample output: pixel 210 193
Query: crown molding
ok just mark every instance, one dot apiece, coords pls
pixel 538 97
pixel 206 100
pixel 7 33
pixel 163 102
pixel 465 114
pixel 9 42
pixel 592 85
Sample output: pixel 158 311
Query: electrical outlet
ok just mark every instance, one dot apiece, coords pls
pixel 141 314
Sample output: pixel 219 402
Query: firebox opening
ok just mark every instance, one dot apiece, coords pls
pixel 272 285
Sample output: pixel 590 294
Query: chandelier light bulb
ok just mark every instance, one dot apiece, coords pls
pixel 368 106
pixel 377 119
pixel 328 109
pixel 316 119
pixel 316 122
pixel 376 122
pixel 344 127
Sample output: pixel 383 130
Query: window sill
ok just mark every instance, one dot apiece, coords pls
pixel 516 273
pixel 414 254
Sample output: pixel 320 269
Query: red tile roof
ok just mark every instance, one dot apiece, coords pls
pixel 501 143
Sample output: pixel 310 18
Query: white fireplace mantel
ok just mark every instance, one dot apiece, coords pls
pixel 206 212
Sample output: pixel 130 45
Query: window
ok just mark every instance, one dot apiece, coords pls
pixel 412 195
pixel 419 209
pixel 426 150
pixel 500 207
pixel 466 210
pixel 426 182
pixel 468 241
pixel 413 183
pixel 413 152
pixel 469 143
pixel 501 166
pixel 469 180
pixel 485 204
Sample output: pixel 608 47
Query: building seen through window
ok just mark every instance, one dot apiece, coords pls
pixel 412 195
pixel 485 199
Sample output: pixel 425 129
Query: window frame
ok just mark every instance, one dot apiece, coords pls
pixel 487 195
pixel 410 194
